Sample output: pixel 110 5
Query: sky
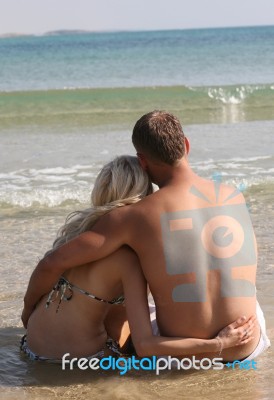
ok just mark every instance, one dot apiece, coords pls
pixel 40 16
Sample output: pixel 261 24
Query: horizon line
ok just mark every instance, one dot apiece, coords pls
pixel 79 31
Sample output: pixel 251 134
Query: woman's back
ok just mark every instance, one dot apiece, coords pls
pixel 76 325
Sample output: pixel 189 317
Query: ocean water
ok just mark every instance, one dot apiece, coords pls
pixel 68 102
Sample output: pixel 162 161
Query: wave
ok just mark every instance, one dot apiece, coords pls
pixel 222 93
pixel 70 187
pixel 46 187
pixel 73 198
pixel 91 106
pixel 43 198
pixel 237 94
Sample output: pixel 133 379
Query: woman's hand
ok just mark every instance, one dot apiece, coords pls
pixel 238 333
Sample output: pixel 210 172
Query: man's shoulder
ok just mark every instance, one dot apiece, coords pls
pixel 149 204
pixel 131 211
pixel 230 194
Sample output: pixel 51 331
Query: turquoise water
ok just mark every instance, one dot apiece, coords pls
pixel 68 103
pixel 91 84
pixel 128 59
pixel 120 106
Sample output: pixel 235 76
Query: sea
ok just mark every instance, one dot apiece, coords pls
pixel 68 103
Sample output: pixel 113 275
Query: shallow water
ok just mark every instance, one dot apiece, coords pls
pixel 28 229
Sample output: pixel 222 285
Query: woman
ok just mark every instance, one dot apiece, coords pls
pixel 75 317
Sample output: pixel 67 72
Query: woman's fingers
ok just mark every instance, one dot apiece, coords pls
pixel 245 332
pixel 242 321
pixel 248 328
pixel 245 341
pixel 238 332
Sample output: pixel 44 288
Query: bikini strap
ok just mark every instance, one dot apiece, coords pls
pixel 118 300
pixel 63 285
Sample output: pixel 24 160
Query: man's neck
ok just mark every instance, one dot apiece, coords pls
pixel 166 175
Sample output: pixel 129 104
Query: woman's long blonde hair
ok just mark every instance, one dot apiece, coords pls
pixel 121 182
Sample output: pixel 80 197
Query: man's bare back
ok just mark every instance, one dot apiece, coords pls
pixel 192 251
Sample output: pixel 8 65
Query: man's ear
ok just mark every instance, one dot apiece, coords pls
pixel 142 161
pixel 187 145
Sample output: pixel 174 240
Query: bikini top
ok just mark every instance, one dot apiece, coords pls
pixel 65 289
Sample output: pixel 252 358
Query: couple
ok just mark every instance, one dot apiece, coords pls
pixel 191 241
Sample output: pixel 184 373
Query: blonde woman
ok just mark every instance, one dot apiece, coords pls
pixel 83 315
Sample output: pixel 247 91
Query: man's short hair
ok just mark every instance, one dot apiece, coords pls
pixel 160 136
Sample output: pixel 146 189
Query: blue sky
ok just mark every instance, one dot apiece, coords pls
pixel 39 16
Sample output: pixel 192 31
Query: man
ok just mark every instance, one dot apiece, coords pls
pixel 193 237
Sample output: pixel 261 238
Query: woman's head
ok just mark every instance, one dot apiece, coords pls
pixel 121 182
pixel 121 179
